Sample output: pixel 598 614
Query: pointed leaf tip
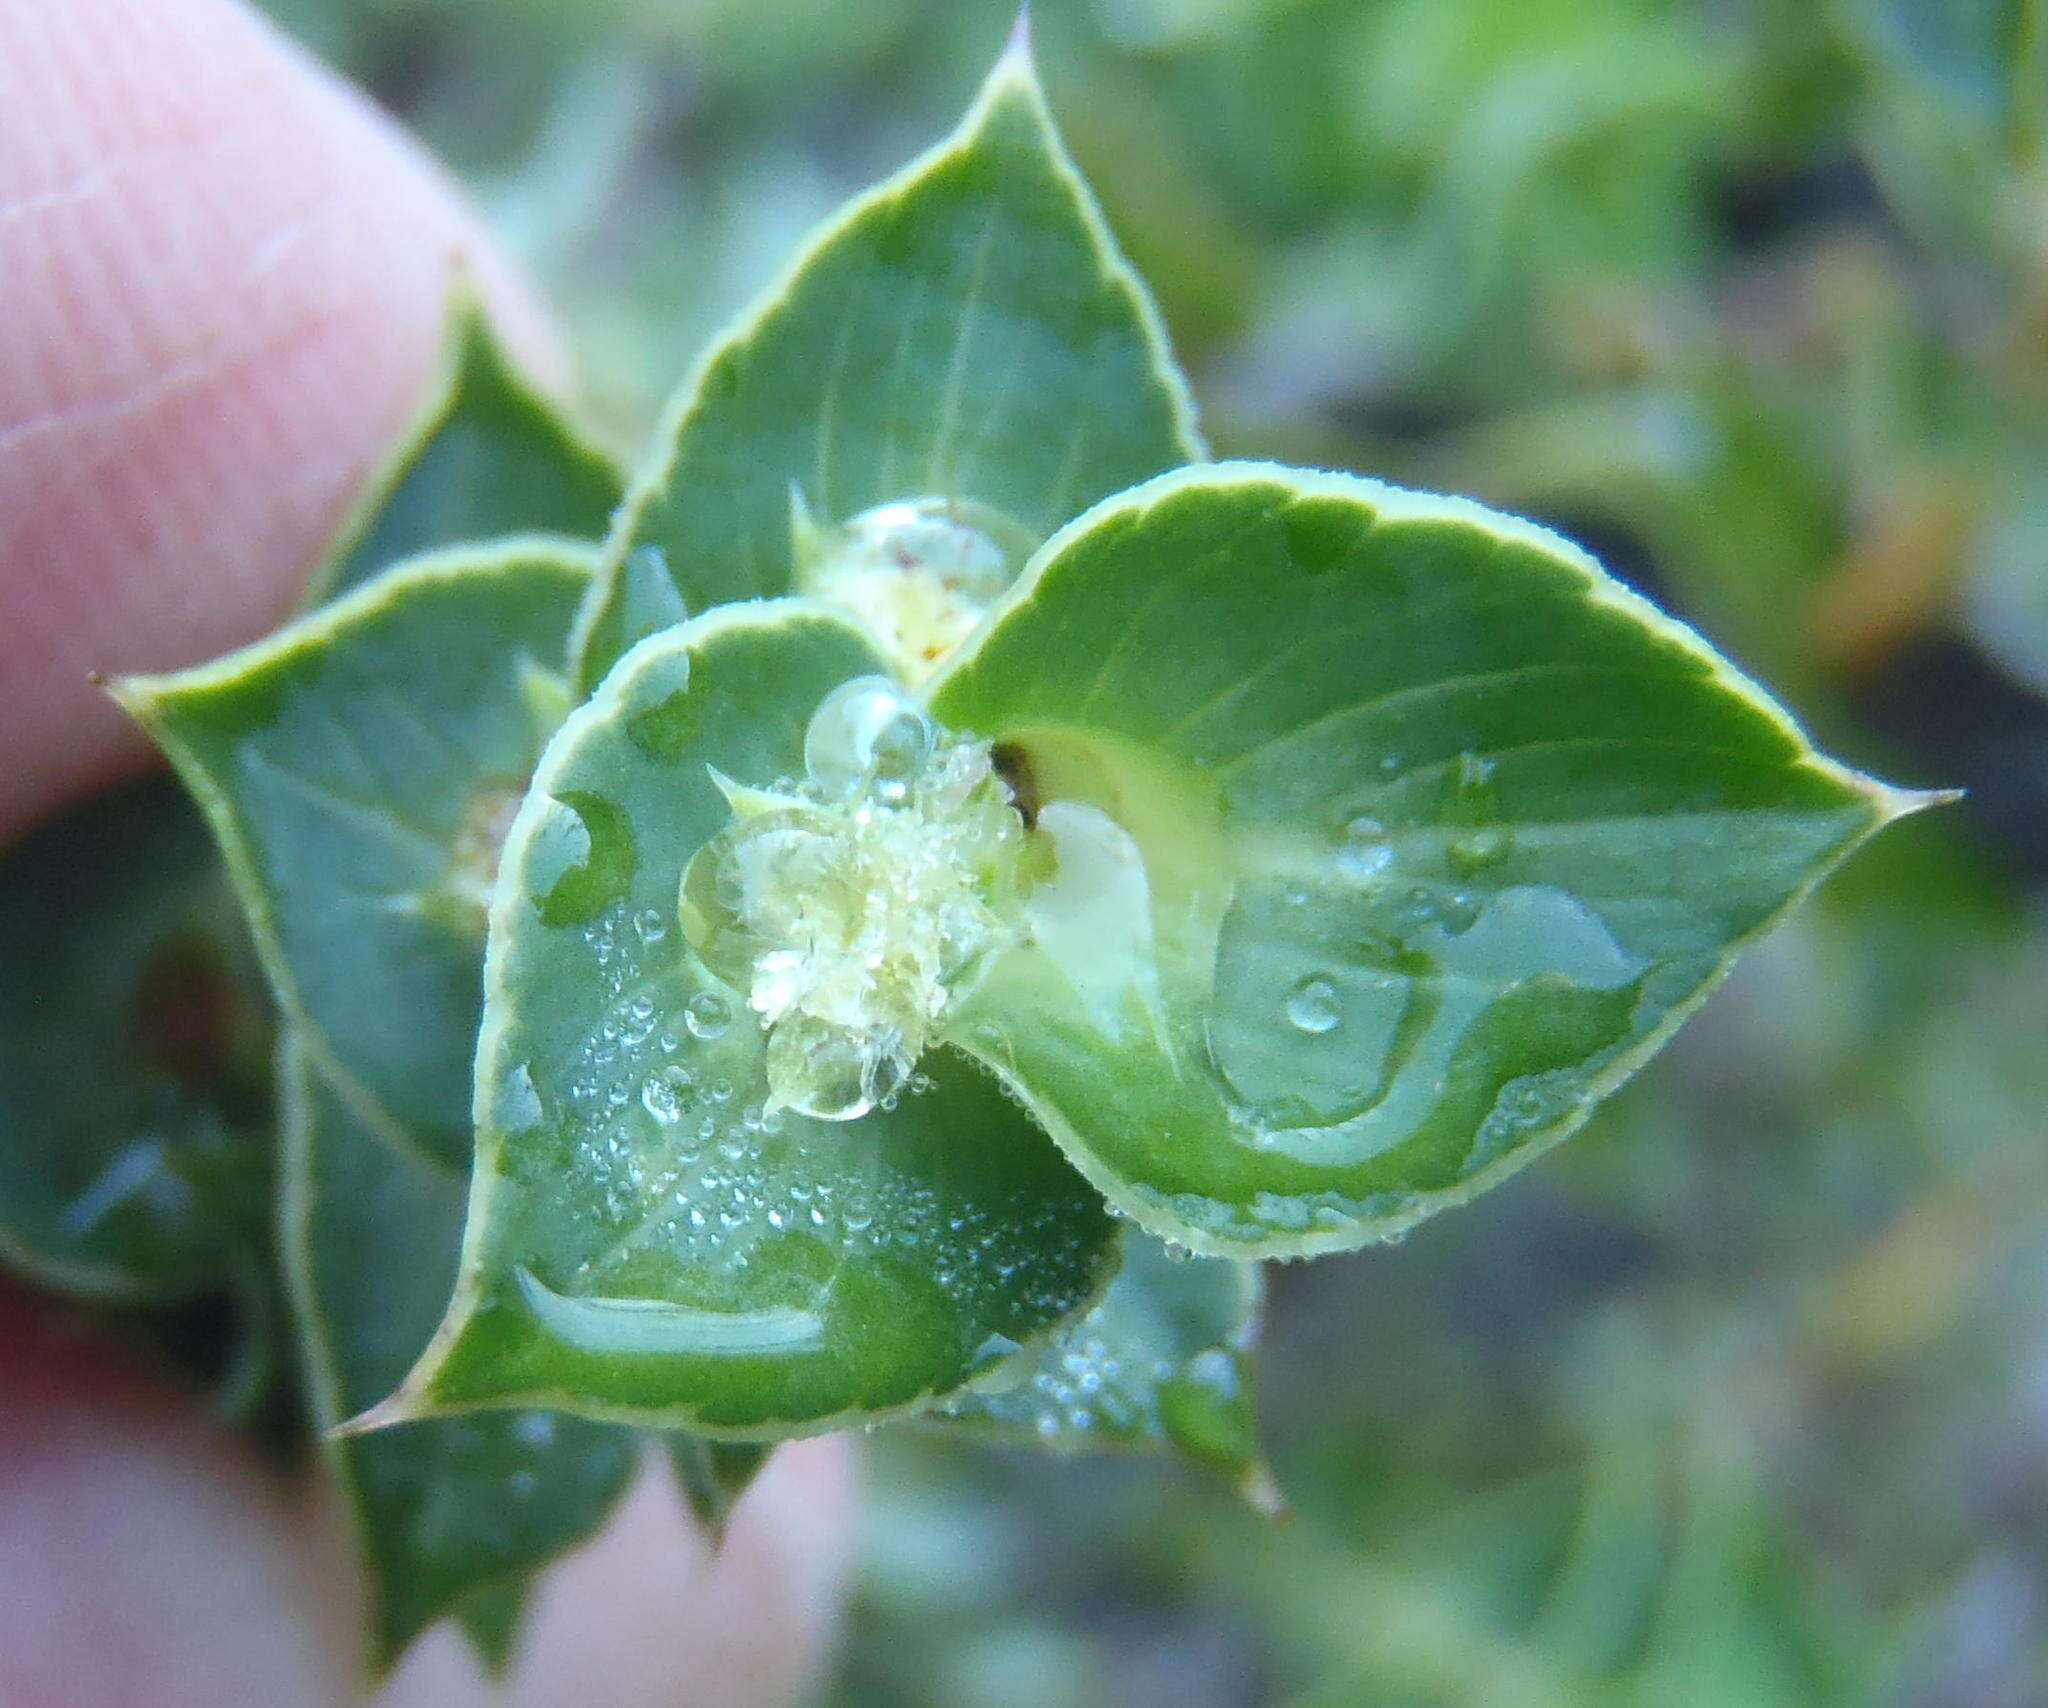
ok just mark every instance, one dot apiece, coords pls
pixel 1443 833
pixel 396 1408
pixel 1896 803
pixel 1017 46
pixel 1032 379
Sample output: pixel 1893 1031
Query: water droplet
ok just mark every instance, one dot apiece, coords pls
pixel 1477 849
pixel 1458 912
pixel 1314 1006
pixel 664 1093
pixel 867 731
pixel 822 1070
pixel 707 1014
pixel 650 925
pixel 1364 851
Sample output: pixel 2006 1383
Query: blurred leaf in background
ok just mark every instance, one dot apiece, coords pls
pixel 1744 1399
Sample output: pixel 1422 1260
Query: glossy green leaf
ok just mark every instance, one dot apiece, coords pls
pixel 134 1046
pixel 487 457
pixel 1162 1363
pixel 647 1240
pixel 1422 834
pixel 448 1510
pixel 714 1474
pixel 964 332
pixel 359 769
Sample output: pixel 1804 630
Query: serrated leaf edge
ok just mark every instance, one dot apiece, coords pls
pixel 1886 803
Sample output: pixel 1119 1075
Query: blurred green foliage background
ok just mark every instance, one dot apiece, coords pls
pixel 1742 1399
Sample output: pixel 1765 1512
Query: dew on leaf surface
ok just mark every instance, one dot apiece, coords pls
pixel 1314 1006
pixel 707 1015
pixel 1407 982
pixel 1364 851
pixel 919 572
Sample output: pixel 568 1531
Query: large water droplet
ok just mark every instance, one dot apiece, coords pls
pixel 1313 1006
pixel 832 1073
pixel 867 731
pixel 919 572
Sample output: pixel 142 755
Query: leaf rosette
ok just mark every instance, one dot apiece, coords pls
pixel 949 857
pixel 1285 855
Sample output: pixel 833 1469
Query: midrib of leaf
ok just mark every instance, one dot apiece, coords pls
pixel 1013 79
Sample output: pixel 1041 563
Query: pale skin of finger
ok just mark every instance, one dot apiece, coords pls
pixel 678 1627
pixel 147 1557
pixel 225 282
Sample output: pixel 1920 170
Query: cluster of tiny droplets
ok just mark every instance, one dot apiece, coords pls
pixel 1092 1381
pixel 851 906
pixel 681 1154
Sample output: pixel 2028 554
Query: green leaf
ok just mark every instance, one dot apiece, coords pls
pixel 359 768
pixel 487 456
pixel 442 1510
pixel 714 1474
pixel 1398 835
pixel 492 1619
pixel 647 1239
pixel 964 332
pixel 134 1046
pixel 1161 1364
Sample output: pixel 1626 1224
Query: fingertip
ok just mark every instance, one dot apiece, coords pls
pixel 647 1615
pixel 228 281
pixel 144 1556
